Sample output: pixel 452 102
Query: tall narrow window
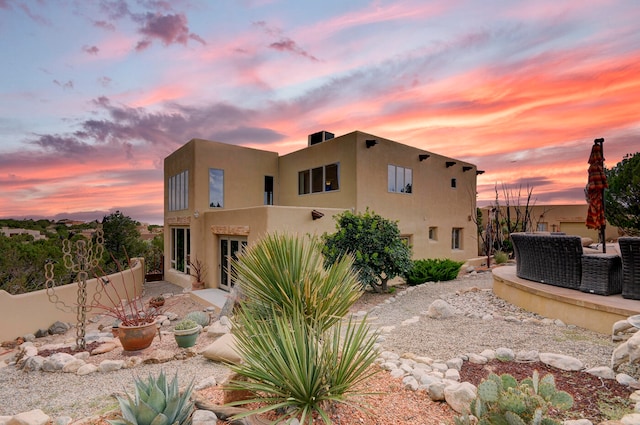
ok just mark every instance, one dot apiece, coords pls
pixel 304 182
pixel 399 179
pixel 180 248
pixel 331 177
pixel 179 191
pixel 456 238
pixel 454 183
pixel 433 233
pixel 317 180
pixel 216 188
pixel 268 190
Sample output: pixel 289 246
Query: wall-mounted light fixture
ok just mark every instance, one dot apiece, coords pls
pixel 371 143
pixel 315 214
pixel 196 214
pixel 423 156
pixel 450 163
pixel 466 168
pixel 478 172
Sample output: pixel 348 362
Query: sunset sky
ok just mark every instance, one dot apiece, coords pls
pixel 94 95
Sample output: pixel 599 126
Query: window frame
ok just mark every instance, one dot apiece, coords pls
pixel 179 258
pixel 314 180
pixel 178 196
pixel 216 187
pixel 456 238
pixel 400 175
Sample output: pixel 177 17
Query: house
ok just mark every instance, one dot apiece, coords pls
pixel 221 197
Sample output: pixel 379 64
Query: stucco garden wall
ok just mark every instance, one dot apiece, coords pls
pixel 26 313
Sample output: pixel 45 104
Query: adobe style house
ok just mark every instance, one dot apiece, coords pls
pixel 220 198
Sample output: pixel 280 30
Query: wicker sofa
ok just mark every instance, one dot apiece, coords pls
pixel 630 252
pixel 554 259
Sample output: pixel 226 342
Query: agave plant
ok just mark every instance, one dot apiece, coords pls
pixel 156 401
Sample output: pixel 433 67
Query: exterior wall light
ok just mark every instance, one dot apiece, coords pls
pixel 371 143
pixel 450 163
pixel 423 156
pixel 466 168
pixel 196 214
pixel 315 214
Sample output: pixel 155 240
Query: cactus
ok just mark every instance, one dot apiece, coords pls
pixel 200 317
pixel 502 400
pixel 156 401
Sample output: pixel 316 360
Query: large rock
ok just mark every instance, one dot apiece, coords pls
pixel 58 328
pixel 223 350
pixel 440 309
pixel 459 396
pixel 32 417
pixel 561 361
pixel 56 362
pixel 633 345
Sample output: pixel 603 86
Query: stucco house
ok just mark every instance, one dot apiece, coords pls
pixel 221 197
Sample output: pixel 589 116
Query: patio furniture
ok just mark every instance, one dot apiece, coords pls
pixel 630 251
pixel 601 274
pixel 549 258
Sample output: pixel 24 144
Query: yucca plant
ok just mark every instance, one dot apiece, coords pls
pixel 156 401
pixel 284 272
pixel 298 355
pixel 298 368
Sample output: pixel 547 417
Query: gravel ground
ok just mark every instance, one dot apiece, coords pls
pixel 63 394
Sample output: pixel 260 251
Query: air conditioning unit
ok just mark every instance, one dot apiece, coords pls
pixel 319 137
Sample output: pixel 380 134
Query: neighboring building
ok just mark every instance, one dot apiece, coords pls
pixel 569 219
pixel 10 232
pixel 221 197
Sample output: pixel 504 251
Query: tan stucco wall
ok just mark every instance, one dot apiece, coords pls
pixel 26 313
pixel 363 184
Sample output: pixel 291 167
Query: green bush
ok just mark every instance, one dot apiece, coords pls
pixel 502 400
pixel 500 257
pixel 298 355
pixel 433 270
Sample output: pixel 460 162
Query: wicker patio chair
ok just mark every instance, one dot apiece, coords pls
pixel 546 258
pixel 630 251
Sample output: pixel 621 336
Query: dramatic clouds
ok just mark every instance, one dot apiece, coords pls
pixel 99 93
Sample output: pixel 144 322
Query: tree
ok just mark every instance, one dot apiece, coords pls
pixel 374 241
pixel 121 237
pixel 622 198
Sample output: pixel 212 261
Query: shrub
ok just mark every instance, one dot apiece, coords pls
pixel 502 400
pixel 433 270
pixel 298 355
pixel 500 257
pixel 156 401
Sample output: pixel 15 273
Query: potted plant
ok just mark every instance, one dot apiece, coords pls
pixel 186 333
pixel 136 320
pixel 198 270
pixel 157 301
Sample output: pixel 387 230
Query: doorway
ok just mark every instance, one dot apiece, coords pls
pixel 230 248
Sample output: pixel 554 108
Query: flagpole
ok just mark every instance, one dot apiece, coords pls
pixel 600 141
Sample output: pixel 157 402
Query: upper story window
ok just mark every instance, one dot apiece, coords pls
pixel 268 190
pixel 400 179
pixel 319 179
pixel 179 191
pixel 216 188
pixel 454 183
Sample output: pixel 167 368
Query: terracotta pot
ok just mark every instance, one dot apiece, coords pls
pixel 135 338
pixel 156 304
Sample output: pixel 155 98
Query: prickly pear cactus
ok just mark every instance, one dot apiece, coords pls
pixel 502 400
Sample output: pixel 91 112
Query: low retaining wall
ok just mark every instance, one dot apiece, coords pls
pixel 595 312
pixel 26 313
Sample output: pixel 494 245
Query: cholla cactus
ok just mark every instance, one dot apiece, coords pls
pixel 156 401
pixel 502 400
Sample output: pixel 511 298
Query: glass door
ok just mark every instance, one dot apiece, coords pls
pixel 230 248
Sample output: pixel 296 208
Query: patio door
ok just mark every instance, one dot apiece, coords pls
pixel 230 248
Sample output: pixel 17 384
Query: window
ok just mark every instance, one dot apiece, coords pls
pixel 319 179
pixel 216 188
pixel 456 238
pixel 268 190
pixel 454 183
pixel 542 227
pixel 433 233
pixel 406 240
pixel 180 248
pixel 400 179
pixel 179 191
